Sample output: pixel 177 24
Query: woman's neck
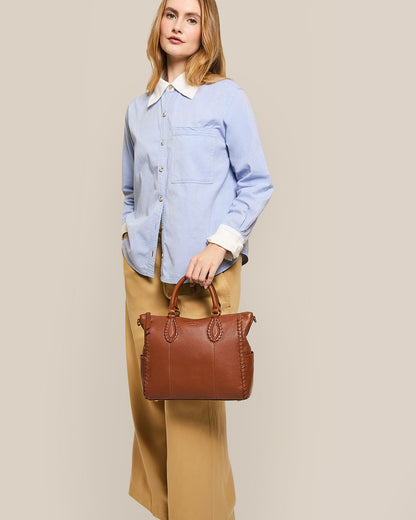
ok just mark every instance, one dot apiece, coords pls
pixel 174 70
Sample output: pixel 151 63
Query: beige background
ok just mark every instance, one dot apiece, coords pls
pixel 329 432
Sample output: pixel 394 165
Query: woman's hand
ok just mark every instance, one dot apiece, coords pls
pixel 203 266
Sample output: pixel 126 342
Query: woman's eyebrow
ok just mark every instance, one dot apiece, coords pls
pixel 186 14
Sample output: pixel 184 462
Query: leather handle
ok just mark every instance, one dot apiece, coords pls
pixel 174 309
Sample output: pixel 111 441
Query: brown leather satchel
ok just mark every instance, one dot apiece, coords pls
pixel 205 358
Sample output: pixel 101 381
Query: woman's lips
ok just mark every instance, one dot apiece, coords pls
pixel 175 40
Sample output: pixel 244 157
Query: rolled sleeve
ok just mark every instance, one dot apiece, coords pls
pixel 228 238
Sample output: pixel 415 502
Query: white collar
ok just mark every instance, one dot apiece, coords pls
pixel 180 84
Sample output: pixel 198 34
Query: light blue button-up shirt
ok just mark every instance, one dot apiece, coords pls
pixel 192 165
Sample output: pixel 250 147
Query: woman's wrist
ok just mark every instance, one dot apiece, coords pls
pixel 213 244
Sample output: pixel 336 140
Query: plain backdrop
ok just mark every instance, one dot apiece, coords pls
pixel 329 431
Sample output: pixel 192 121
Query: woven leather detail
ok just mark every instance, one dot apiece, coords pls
pixel 171 330
pixel 146 355
pixel 242 363
pixel 146 372
pixel 214 329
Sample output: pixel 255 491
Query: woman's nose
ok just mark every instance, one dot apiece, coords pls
pixel 177 26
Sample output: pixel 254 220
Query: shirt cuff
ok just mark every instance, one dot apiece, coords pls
pixel 230 239
pixel 123 228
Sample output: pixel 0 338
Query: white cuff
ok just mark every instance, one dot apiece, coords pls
pixel 230 239
pixel 123 228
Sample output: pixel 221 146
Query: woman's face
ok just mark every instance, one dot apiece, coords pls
pixel 181 20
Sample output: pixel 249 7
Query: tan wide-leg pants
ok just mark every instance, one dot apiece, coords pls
pixel 180 463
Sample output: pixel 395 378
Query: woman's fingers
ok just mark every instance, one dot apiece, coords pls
pixel 203 266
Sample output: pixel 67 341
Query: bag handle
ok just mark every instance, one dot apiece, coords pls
pixel 174 309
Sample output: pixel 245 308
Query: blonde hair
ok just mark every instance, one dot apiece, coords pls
pixel 206 65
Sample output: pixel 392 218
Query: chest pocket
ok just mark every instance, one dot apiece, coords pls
pixel 192 154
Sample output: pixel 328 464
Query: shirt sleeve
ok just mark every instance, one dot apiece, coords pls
pixel 127 173
pixel 254 184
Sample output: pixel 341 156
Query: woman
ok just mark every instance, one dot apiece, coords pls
pixel 194 180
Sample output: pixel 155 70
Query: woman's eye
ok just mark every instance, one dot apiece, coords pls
pixel 192 20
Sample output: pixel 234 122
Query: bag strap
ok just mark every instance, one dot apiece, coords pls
pixel 174 310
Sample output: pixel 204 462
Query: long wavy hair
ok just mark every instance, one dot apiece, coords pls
pixel 206 65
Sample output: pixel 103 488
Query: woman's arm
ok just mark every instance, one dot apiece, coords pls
pixel 254 184
pixel 127 173
pixel 253 190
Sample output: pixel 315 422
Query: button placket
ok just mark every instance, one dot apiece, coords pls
pixel 162 181
pixel 163 125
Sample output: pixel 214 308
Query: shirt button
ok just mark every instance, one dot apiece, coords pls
pixel 170 87
pixel 164 114
pixel 160 198
pixel 161 168
pixel 162 142
pixel 161 227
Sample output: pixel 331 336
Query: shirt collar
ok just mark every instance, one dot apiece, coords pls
pixel 180 84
